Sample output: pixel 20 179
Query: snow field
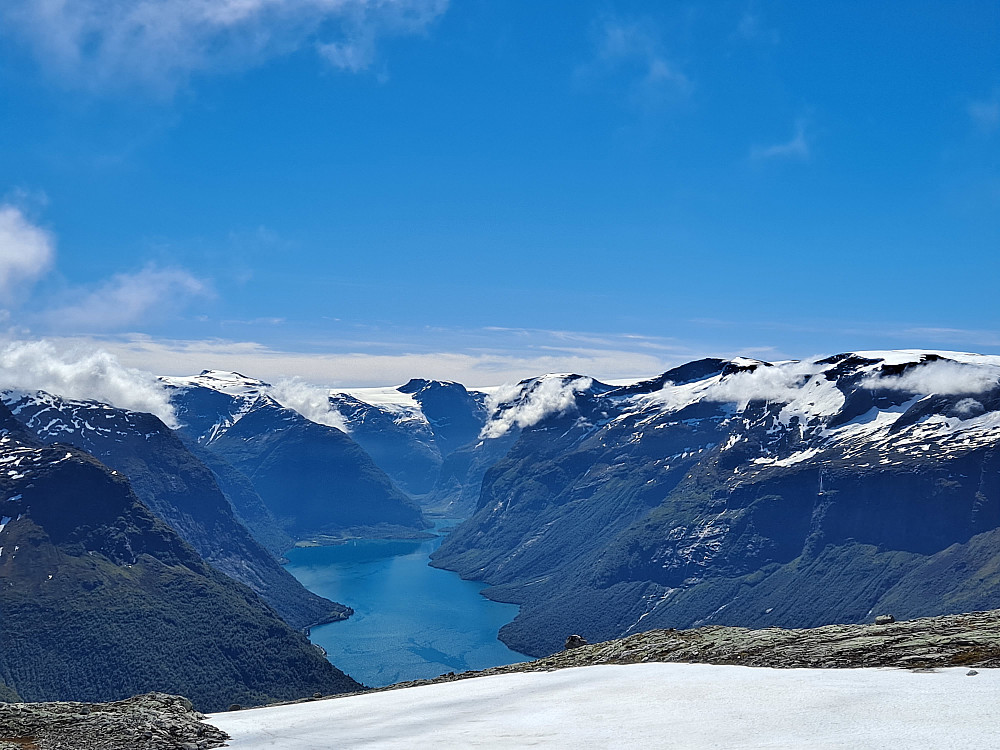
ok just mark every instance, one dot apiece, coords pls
pixel 689 706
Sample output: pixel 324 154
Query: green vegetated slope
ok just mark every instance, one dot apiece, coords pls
pixel 101 600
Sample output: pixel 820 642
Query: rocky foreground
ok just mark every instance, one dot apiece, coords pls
pixel 163 722
pixel 154 721
pixel 966 640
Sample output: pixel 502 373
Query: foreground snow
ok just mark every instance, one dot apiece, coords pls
pixel 690 706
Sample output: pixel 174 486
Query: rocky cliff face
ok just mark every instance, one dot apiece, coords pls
pixel 743 492
pixel 99 599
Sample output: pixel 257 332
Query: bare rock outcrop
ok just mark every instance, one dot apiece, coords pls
pixel 154 721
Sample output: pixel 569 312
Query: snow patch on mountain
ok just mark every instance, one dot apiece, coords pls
pixel 230 383
pixel 381 397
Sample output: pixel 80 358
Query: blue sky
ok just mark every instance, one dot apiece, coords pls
pixel 358 192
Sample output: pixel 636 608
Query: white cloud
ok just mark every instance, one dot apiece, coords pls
pixel 778 384
pixel 985 114
pixel 311 401
pixel 941 378
pixel 968 407
pixel 797 147
pixel 82 373
pixel 634 48
pixel 524 405
pixel 26 252
pixel 129 298
pixel 346 369
pixel 751 28
pixel 159 43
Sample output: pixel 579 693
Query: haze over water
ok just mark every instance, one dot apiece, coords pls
pixel 411 621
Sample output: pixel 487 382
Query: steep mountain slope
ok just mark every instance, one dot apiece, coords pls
pixel 410 431
pixel 176 486
pixel 395 433
pixel 748 493
pixel 313 478
pixel 100 600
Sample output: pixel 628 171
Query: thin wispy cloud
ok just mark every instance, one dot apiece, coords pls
pixel 985 113
pixel 99 44
pixel 28 254
pixel 797 148
pixel 751 28
pixel 634 49
pixel 355 368
pixel 952 336
pixel 127 299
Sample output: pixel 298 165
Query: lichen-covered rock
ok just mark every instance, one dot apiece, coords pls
pixel 155 721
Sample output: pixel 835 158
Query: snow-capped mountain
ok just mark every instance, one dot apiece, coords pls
pixel 413 430
pixel 100 599
pixel 743 492
pixel 176 486
pixel 313 478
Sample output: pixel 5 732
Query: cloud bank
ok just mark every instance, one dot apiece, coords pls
pixel 781 384
pixel 524 405
pixel 159 43
pixel 941 378
pixel 26 252
pixel 84 375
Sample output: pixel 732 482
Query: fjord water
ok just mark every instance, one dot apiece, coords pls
pixel 411 621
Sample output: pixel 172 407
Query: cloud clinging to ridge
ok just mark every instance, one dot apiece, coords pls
pixel 527 405
pixel 84 374
pixel 312 402
pixel 985 113
pixel 941 377
pixel 158 43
